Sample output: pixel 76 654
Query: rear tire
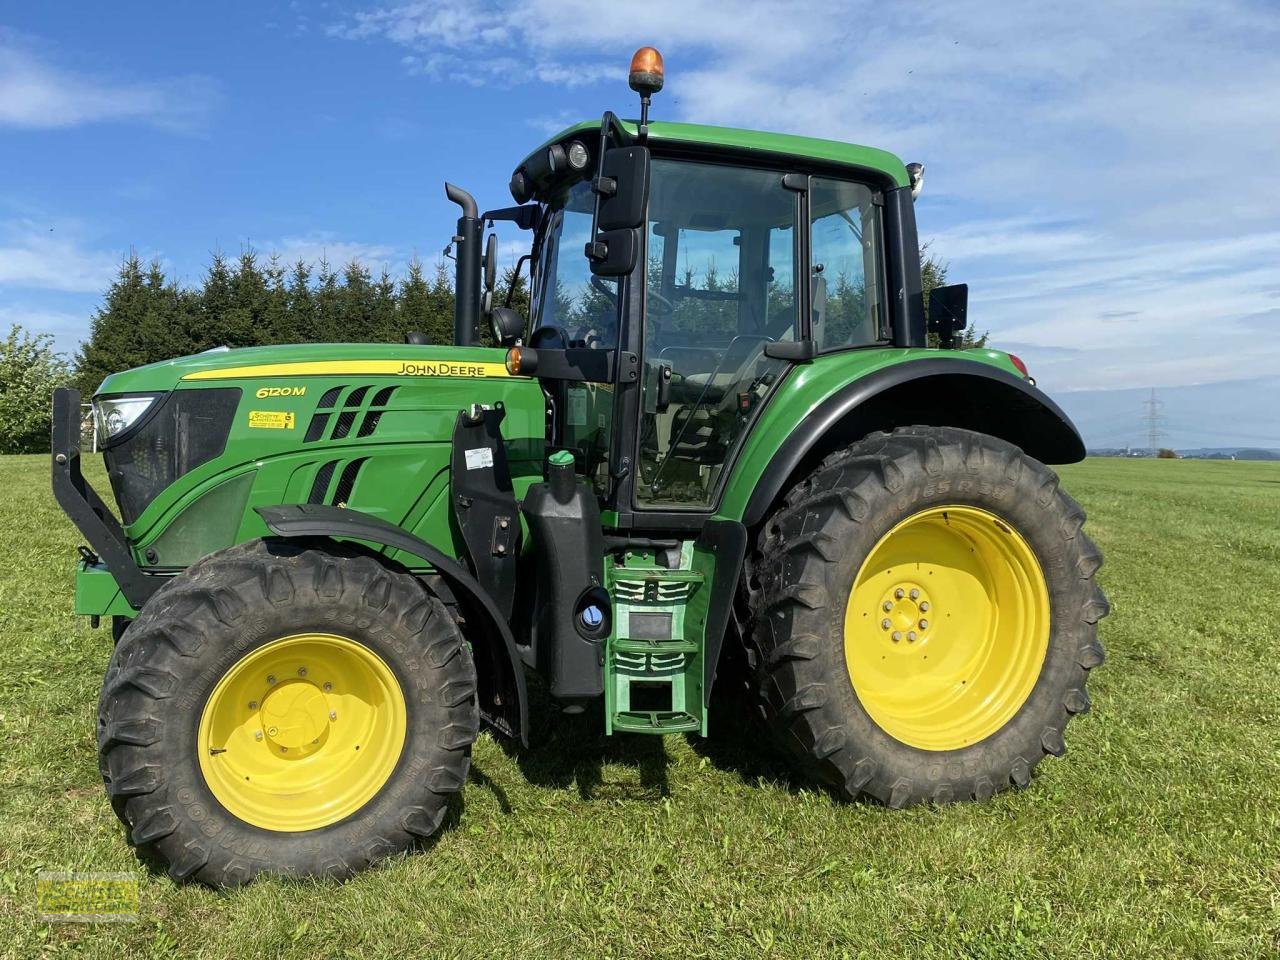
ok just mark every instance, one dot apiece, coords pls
pixel 827 539
pixel 164 693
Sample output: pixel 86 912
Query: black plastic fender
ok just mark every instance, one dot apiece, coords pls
pixel 941 391
pixel 504 702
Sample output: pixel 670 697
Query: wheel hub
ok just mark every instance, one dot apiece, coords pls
pixel 903 608
pixel 294 716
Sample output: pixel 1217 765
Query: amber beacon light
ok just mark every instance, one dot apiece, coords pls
pixel 645 78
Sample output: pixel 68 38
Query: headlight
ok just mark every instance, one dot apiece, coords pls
pixel 115 415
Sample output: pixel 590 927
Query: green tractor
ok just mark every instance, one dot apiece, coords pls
pixel 720 443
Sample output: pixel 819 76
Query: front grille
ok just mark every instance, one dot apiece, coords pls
pixel 188 430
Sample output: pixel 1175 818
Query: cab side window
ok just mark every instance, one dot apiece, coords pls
pixel 846 282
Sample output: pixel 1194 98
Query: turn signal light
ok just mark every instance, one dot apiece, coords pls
pixel 1022 367
pixel 522 361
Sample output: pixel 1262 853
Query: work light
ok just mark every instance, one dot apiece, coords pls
pixel 578 155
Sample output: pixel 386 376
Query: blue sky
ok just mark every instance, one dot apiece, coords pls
pixel 1105 176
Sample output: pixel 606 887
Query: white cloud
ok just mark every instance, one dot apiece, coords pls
pixel 38 257
pixel 314 247
pixel 1106 176
pixel 37 95
pixel 62 325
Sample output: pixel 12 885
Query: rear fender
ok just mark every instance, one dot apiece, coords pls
pixel 943 392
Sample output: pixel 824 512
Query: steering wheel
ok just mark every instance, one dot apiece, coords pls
pixel 668 308
pixel 602 288
pixel 545 334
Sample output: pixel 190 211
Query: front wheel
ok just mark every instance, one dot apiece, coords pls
pixel 925 617
pixel 285 709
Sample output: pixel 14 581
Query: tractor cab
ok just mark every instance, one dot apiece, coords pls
pixel 701 266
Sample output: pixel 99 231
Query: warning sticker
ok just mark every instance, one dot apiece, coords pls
pixel 577 413
pixel 479 458
pixel 272 419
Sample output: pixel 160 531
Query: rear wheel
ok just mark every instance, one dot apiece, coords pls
pixel 286 709
pixel 925 617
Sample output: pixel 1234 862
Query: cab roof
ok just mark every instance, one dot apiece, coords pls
pixel 753 141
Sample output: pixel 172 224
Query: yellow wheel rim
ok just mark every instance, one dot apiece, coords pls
pixel 302 732
pixel 947 627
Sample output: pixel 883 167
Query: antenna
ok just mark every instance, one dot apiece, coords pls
pixel 1154 420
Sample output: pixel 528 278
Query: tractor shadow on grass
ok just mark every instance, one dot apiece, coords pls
pixel 738 743
pixel 571 751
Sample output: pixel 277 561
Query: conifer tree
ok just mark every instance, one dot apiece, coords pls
pixel 300 303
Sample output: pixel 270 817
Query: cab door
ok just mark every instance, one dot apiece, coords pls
pixel 723 271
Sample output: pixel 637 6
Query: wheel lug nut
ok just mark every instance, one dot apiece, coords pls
pixel 915 594
pixel 885 623
pixel 257 734
pixel 302 671
pixel 333 714
pixel 888 605
pixel 897 635
pixel 911 635
pixel 284 749
pixel 924 606
pixel 253 704
pixel 924 624
pixel 898 593
pixel 328 686
pixel 271 678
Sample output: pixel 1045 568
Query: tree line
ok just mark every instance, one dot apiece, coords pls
pixel 147 316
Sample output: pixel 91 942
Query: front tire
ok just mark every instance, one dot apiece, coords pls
pixel 925 617
pixel 286 709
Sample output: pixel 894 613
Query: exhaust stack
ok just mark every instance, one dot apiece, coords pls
pixel 466 302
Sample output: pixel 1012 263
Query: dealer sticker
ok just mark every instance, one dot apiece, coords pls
pixel 272 419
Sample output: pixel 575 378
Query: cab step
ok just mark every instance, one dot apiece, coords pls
pixel 654 656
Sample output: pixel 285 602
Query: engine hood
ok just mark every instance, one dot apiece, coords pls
pixel 310 360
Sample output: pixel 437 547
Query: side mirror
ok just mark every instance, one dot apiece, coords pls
pixel 623 186
pixel 490 273
pixel 508 327
pixel 948 311
pixel 614 253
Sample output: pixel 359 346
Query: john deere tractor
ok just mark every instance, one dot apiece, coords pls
pixel 721 436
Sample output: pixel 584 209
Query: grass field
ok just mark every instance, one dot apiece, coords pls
pixel 1157 835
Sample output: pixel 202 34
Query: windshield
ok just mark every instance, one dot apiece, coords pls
pixel 566 294
pixel 572 307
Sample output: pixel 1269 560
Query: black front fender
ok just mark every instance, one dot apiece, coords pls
pixel 504 701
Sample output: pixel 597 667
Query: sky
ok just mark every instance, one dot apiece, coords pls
pixel 1104 176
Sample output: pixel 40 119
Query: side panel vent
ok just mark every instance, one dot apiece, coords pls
pixel 330 397
pixel 321 484
pixel 315 429
pixel 347 482
pixel 345 419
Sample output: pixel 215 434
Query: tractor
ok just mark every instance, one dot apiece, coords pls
pixel 728 441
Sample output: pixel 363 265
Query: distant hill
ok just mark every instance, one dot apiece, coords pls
pixel 1199 453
